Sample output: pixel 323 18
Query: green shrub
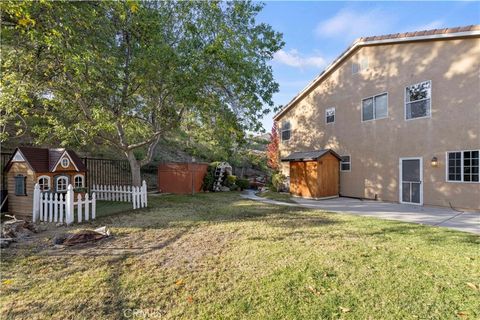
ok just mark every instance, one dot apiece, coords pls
pixel 278 181
pixel 231 179
pixel 209 178
pixel 243 184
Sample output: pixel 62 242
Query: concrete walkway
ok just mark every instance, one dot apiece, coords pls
pixel 434 216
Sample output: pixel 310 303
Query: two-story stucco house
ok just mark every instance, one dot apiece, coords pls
pixel 403 113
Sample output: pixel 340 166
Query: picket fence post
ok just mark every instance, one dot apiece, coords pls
pixel 94 205
pixel 144 193
pixel 36 203
pixel 69 205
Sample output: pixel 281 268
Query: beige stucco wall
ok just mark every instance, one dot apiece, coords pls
pixel 376 146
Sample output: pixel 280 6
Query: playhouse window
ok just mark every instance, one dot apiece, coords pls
pixel 65 162
pixel 20 185
pixel 62 183
pixel 44 183
pixel 78 181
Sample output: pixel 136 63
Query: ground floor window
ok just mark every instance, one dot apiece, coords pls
pixel 62 183
pixel 345 163
pixel 20 185
pixel 44 183
pixel 462 166
pixel 78 180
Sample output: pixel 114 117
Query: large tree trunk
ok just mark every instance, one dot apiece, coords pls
pixel 134 168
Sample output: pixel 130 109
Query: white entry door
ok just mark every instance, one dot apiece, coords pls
pixel 411 181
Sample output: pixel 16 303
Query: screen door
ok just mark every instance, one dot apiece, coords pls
pixel 411 180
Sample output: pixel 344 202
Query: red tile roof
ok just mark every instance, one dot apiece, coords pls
pixel 44 160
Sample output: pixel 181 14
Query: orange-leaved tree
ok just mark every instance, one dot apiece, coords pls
pixel 273 153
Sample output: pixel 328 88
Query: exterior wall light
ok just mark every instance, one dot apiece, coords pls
pixel 434 162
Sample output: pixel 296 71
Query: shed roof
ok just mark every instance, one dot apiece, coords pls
pixel 310 155
pixel 44 160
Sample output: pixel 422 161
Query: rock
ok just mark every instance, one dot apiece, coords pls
pixel 224 189
pixel 5 242
pixel 59 238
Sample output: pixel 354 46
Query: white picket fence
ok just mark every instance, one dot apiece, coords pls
pixel 60 207
pixel 136 195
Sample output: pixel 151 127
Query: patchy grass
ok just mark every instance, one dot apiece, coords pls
pixel 278 196
pixel 217 255
pixel 107 208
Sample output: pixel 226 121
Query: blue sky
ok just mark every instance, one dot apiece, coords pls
pixel 315 33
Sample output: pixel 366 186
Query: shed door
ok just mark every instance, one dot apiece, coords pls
pixel 411 175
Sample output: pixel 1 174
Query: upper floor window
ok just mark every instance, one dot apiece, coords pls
pixel 375 107
pixel 418 100
pixel 65 162
pixel 330 115
pixel 462 166
pixel 359 66
pixel 345 163
pixel 286 130
pixel 20 185
pixel 44 183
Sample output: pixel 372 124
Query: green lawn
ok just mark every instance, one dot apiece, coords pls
pixel 278 196
pixel 217 255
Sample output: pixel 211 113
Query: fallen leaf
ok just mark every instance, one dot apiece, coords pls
pixel 462 314
pixel 7 282
pixel 313 290
pixel 189 299
pixel 345 310
pixel 471 285
pixel 179 282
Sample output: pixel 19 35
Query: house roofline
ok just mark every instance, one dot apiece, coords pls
pixel 362 43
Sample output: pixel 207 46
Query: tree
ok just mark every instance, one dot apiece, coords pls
pixel 273 153
pixel 127 73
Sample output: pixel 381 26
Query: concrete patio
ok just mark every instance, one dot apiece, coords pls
pixel 434 216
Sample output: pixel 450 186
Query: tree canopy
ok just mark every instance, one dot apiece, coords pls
pixel 127 73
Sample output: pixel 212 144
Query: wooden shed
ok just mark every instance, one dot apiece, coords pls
pixel 314 174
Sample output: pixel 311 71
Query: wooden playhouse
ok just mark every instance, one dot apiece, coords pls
pixel 314 174
pixel 52 169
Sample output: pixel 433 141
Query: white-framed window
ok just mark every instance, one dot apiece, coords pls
pixel 418 100
pixel 345 163
pixel 286 130
pixel 375 107
pixel 462 166
pixel 78 181
pixel 65 162
pixel 18 157
pixel 44 183
pixel 62 183
pixel 330 115
pixel 359 66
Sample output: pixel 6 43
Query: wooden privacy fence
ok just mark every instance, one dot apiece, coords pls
pixel 62 207
pixel 136 195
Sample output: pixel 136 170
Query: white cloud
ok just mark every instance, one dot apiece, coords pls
pixel 351 24
pixel 293 58
pixel 431 25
